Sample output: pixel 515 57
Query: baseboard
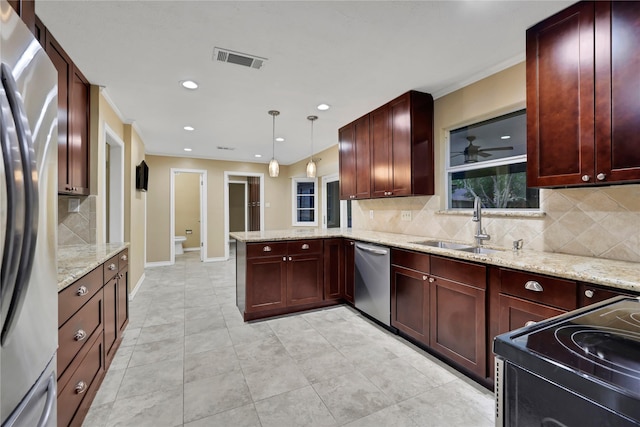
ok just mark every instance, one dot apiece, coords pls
pixel 191 249
pixel 218 259
pixel 133 293
pixel 157 264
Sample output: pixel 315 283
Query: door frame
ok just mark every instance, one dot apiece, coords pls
pixel 116 187
pixel 203 211
pixel 227 175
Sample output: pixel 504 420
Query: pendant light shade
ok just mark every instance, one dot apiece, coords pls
pixel 274 166
pixel 311 166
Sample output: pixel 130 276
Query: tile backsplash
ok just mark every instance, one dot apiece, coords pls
pixel 76 227
pixel 600 222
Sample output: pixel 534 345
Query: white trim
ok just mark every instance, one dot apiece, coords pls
pixel 227 174
pixel 190 249
pixel 217 259
pixel 294 202
pixel 158 264
pixel 116 186
pixel 203 212
pixel 133 123
pixel 136 288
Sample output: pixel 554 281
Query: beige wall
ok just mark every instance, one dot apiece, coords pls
pixel 187 215
pixel 134 205
pixel 599 222
pixel 277 215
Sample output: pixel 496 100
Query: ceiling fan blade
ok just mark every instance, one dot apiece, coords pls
pixel 496 149
pixel 480 153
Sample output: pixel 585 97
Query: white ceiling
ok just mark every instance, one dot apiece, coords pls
pixel 353 55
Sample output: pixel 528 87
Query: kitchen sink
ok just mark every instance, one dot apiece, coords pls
pixel 479 250
pixel 444 245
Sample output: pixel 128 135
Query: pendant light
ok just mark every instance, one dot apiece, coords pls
pixel 311 166
pixel 274 167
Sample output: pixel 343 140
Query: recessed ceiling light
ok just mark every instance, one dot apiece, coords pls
pixel 189 128
pixel 323 107
pixel 187 149
pixel 505 137
pixel 257 156
pixel 189 84
pixel 280 139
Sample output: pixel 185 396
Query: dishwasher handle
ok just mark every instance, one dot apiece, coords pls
pixel 372 250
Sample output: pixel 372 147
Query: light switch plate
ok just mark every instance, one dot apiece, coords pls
pixel 371 214
pixel 405 216
pixel 74 205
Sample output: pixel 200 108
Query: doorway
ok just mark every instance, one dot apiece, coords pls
pixel 189 210
pixel 113 187
pixel 336 213
pixel 252 207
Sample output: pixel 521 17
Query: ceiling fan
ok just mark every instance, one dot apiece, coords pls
pixel 471 152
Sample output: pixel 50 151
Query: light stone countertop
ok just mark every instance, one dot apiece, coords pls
pixel 612 273
pixel 75 261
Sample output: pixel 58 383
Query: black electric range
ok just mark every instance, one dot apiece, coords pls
pixel 582 369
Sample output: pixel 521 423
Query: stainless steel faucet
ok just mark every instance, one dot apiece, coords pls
pixel 480 235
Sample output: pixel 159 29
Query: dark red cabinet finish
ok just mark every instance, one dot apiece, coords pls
pixel 410 302
pixel 582 106
pixel 334 272
pixel 349 271
pixel 354 159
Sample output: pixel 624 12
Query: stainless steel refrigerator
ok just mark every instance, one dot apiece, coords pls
pixel 28 227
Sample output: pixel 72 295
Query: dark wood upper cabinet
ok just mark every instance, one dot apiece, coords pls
pixel 354 152
pixel 27 11
pixel 73 117
pixel 581 109
pixel 400 143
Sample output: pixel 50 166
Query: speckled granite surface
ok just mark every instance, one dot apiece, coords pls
pixel 616 274
pixel 77 260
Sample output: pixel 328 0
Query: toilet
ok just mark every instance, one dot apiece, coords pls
pixel 178 240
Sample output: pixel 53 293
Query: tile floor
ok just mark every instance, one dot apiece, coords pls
pixel 188 359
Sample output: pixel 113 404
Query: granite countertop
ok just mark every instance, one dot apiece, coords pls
pixel 77 260
pixel 612 273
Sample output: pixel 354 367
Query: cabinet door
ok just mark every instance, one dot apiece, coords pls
pixel 589 294
pixel 516 313
pixel 123 300
pixel 410 303
pixel 304 279
pixel 560 98
pixel 400 169
pixel 349 271
pixel 458 325
pixel 617 38
pixel 381 158
pixel 78 143
pixel 110 318
pixel 333 269
pixel 355 160
pixel 266 283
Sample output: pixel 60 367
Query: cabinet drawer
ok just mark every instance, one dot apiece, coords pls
pixel 110 268
pixel 77 294
pixel 298 247
pixel 588 294
pixel 72 393
pixel 123 259
pixel 534 287
pixel 412 260
pixel 255 250
pixel 78 331
pixel 459 271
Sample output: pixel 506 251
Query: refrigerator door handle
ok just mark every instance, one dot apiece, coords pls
pixel 47 386
pixel 27 154
pixel 9 267
pixel 51 401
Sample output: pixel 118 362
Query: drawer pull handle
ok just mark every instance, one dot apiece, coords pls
pixel 284 258
pixel 112 267
pixel 305 246
pixel 534 286
pixel 425 277
pixel 529 323
pixel 123 257
pixel 266 249
pixel 588 293
pixel 80 335
pixel 81 387
pixel 431 280
pixel 82 291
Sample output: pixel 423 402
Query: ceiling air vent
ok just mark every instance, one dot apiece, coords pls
pixel 246 60
pixel 219 147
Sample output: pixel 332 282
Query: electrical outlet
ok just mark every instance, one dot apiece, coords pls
pixel 74 205
pixel 371 214
pixel 405 216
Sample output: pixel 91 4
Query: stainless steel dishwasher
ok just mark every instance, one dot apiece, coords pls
pixel 372 282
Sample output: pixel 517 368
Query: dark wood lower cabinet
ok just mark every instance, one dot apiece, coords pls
pixel 410 306
pixel 304 279
pixel 334 271
pixel 110 316
pixel 267 277
pixel 349 271
pixel 516 312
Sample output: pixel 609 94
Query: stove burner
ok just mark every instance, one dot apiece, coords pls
pixel 609 348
